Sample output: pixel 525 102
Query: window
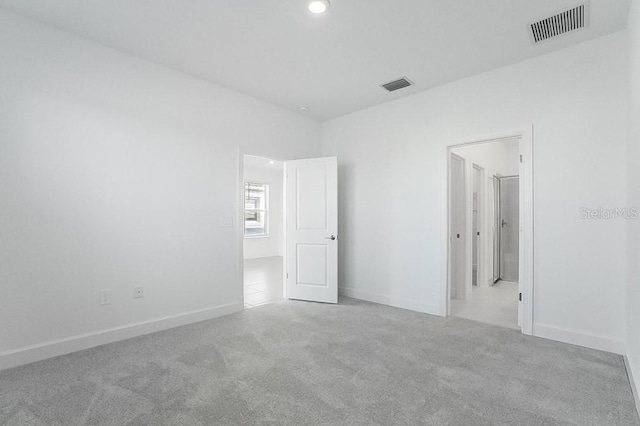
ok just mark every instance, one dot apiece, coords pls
pixel 256 209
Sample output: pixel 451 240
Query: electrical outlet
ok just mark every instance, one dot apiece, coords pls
pixel 138 292
pixel 105 297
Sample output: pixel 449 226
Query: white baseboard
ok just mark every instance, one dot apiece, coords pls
pixel 409 304
pixel 574 337
pixel 54 348
pixel 632 379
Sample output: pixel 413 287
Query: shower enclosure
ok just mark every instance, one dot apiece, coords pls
pixel 506 236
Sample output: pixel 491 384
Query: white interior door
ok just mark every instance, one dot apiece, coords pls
pixel 457 231
pixel 312 229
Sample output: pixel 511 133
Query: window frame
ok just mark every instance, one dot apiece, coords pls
pixel 265 211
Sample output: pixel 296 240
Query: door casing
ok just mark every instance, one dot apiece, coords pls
pixel 526 255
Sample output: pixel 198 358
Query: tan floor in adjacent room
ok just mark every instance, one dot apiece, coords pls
pixel 497 305
pixel 262 281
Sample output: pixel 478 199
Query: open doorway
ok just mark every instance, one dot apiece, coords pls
pixel 288 213
pixel 484 224
pixel 263 246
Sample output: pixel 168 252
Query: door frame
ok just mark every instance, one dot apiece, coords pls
pixel 239 225
pixel 526 255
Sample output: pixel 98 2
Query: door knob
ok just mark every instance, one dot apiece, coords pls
pixel 504 223
pixel 333 237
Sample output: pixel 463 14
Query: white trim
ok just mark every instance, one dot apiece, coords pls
pixel 526 210
pixel 68 345
pixel 240 227
pixel 527 195
pixel 285 229
pixel 574 337
pixel 628 363
pixel 396 302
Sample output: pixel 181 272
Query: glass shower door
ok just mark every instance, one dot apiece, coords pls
pixel 509 228
pixel 496 229
pixel 506 237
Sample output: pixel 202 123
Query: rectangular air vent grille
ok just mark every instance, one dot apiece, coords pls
pixel 398 84
pixel 569 20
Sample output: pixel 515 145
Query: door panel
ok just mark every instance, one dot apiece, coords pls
pixel 312 229
pixel 475 234
pixel 457 227
pixel 311 190
pixel 314 259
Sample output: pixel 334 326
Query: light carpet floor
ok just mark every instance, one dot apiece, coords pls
pixel 297 363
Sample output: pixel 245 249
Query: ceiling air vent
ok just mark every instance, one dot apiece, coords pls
pixel 398 84
pixel 569 20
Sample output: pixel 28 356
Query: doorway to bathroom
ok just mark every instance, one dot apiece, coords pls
pixel 486 232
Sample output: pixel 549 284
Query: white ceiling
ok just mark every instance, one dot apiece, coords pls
pixel 263 163
pixel 277 51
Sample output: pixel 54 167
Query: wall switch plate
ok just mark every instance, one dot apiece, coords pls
pixel 105 297
pixel 227 221
pixel 138 292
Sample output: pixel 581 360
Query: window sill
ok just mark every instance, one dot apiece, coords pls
pixel 256 237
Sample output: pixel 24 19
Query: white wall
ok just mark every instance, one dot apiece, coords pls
pixel 114 173
pixel 256 247
pixel 392 170
pixel 633 187
pixel 496 158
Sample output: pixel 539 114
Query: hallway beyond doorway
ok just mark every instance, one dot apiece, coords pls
pixel 496 305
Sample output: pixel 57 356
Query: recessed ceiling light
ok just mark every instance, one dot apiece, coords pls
pixel 272 162
pixel 318 6
pixel 303 108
